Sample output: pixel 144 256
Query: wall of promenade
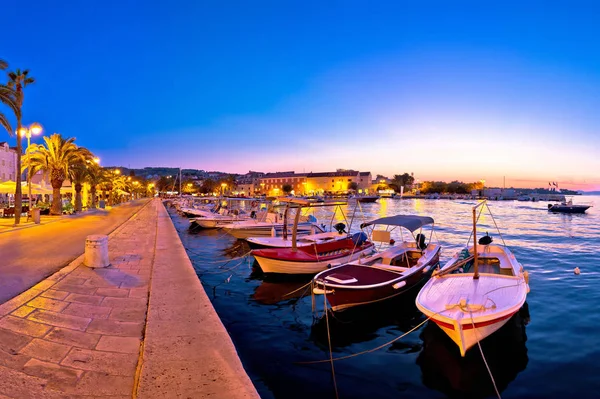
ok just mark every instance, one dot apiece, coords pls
pixel 187 351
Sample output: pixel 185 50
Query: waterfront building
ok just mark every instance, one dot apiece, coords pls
pixel 320 183
pixel 8 162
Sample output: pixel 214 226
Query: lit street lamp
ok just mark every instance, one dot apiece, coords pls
pixel 33 129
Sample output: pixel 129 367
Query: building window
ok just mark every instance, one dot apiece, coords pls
pixel 333 180
pixel 349 179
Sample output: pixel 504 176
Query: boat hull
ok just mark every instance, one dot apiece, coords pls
pixel 569 209
pixel 281 266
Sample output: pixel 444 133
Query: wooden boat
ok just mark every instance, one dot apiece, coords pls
pixel 386 274
pixel 311 259
pixel 568 207
pixel 476 292
pixel 367 198
pixel 283 242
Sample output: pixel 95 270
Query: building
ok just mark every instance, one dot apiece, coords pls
pixel 8 162
pixel 338 182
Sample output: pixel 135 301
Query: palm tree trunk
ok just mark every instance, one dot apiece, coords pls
pixel 18 189
pixel 93 193
pixel 78 202
pixel 56 208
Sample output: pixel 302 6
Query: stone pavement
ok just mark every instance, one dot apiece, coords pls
pixel 80 332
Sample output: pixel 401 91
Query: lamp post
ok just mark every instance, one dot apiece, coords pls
pixel 223 186
pixel 33 129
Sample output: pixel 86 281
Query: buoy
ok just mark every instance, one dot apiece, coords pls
pixel 577 271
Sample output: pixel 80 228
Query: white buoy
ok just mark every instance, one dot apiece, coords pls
pixel 96 251
pixel 577 271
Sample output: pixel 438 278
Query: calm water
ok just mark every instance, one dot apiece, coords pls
pixel 553 355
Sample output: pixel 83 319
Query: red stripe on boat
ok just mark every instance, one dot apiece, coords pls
pixel 469 326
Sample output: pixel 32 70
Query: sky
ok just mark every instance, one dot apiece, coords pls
pixel 508 93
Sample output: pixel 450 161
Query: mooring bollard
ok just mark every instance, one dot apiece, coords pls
pixel 96 251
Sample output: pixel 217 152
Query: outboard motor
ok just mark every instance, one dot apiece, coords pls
pixel 485 240
pixel 359 238
pixel 340 228
pixel 420 240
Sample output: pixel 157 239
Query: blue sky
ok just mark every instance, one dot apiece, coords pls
pixel 445 90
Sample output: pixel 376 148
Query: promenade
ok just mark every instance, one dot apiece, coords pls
pixel 141 328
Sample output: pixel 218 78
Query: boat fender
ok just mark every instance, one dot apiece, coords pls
pixel 425 270
pixel 399 285
pixel 526 277
pixel 392 242
pixel 577 271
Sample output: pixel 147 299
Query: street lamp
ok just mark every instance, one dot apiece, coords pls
pixel 223 185
pixel 33 129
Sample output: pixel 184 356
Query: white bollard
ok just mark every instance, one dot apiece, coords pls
pixel 96 251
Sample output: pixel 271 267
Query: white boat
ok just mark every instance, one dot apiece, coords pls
pixel 476 292
pixel 286 242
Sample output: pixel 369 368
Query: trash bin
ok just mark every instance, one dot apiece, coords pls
pixel 35 214
pixel 101 204
pixel 96 251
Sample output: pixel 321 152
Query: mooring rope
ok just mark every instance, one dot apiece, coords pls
pixel 329 341
pixel 483 357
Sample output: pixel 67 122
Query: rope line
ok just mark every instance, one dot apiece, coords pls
pixel 329 343
pixel 483 357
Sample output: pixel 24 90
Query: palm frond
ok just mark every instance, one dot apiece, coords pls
pixel 3 64
pixel 6 124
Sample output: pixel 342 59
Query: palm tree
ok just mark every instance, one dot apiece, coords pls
pixel 95 175
pixel 7 97
pixel 55 157
pixel 18 80
pixel 78 174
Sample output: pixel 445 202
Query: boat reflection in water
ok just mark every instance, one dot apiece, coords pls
pixel 444 369
pixel 275 289
pixel 362 324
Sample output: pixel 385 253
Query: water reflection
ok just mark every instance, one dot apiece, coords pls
pixel 443 369
pixel 273 290
pixel 362 324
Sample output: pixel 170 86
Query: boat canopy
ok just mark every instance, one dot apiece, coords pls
pixel 410 222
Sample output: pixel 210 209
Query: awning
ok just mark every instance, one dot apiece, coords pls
pixel 409 222
pixel 8 187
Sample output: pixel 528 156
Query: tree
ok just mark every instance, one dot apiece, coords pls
pixel 95 175
pixel 8 98
pixel 18 80
pixel 353 186
pixel 208 186
pixel 55 157
pixel 402 180
pixel 78 175
pixel 287 188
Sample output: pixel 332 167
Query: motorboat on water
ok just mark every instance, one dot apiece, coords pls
pixel 311 259
pixel 396 269
pixel 476 292
pixel 336 232
pixel 567 206
pixel 367 198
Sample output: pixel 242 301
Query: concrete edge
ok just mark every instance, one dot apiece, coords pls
pixel 207 353
pixel 47 283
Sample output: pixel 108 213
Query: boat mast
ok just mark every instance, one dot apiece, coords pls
pixel 295 229
pixel 475 264
pixel 180 193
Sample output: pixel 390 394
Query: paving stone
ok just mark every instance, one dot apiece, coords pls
pixel 116 327
pixel 91 311
pixel 102 385
pixel 113 292
pixel 24 326
pixel 119 344
pixel 13 360
pixel 125 302
pixel 85 340
pixel 60 320
pixel 51 371
pixel 74 280
pixel 138 293
pixel 100 283
pixel 79 289
pixel 46 350
pixel 16 384
pixel 108 362
pixel 55 294
pixel 44 285
pixel 128 314
pixel 23 311
pixel 12 304
pixel 11 342
pixel 87 299
pixel 47 304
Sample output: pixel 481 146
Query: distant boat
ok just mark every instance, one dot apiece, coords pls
pixel 476 292
pixel 367 198
pixel 568 207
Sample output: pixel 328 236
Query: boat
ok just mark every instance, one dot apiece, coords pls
pixel 567 206
pixel 314 258
pixel 476 292
pixel 386 274
pixel 367 198
pixel 336 232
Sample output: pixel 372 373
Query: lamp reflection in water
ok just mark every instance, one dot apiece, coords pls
pixel 444 370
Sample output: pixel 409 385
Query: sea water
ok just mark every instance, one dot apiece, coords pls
pixel 549 350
